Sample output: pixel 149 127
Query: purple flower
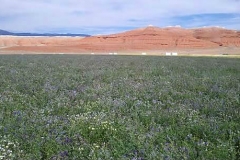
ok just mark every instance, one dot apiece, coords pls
pixel 67 140
pixel 63 154
pixel 16 113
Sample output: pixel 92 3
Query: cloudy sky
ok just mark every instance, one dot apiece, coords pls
pixel 109 16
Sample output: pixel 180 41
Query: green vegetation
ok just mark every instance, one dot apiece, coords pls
pixel 119 107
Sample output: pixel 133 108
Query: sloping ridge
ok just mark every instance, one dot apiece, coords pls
pixel 153 38
pixel 220 36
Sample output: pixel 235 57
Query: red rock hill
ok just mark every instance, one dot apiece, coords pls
pixel 154 38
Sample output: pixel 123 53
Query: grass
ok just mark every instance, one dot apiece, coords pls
pixel 119 107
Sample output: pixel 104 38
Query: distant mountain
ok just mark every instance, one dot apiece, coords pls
pixel 50 34
pixel 3 32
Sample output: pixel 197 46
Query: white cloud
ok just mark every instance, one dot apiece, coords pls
pixel 29 15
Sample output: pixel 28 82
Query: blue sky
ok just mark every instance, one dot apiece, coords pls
pixel 110 16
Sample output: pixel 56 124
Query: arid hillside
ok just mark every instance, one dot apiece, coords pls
pixel 154 38
pixel 142 39
pixel 11 41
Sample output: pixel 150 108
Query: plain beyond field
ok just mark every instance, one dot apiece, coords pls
pixel 224 51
